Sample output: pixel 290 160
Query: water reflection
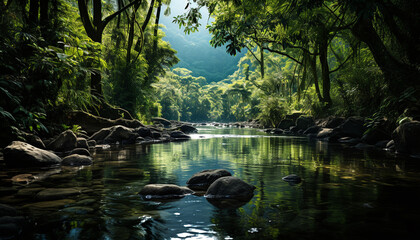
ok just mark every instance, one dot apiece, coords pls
pixel 345 193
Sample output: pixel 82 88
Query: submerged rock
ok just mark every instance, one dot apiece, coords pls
pixel 202 180
pixel 164 191
pixel 231 188
pixel 56 193
pixel 20 154
pixel 292 178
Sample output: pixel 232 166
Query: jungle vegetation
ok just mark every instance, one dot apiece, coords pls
pixel 319 57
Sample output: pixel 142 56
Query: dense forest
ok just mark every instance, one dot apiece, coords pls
pixel 317 57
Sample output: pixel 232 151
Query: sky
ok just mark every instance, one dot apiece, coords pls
pixel 194 50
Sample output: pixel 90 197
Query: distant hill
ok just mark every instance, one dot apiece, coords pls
pixel 194 50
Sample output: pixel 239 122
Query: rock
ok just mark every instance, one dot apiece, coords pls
pixel 304 122
pixel 294 116
pixel 28 192
pixel 120 134
pixel 202 180
pixel 292 178
pixel 286 124
pixel 231 188
pixel 49 204
pixel 375 135
pixel 66 141
pixel 79 151
pixel 56 193
pixel 164 191
pixel 32 139
pixel 188 129
pixel 407 138
pixel 114 134
pixel 330 122
pixel 23 178
pixel 164 122
pixel 144 132
pixel 20 154
pixel 77 160
pixel 277 131
pixel 325 133
pixel 179 135
pixel 156 135
pixel 352 127
pixel 390 145
pixel 91 143
pixel 312 130
pixel 82 143
pixel 349 140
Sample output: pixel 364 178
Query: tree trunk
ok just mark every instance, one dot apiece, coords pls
pixel 399 76
pixel 325 70
pixel 262 59
pixel 312 65
pixel 33 12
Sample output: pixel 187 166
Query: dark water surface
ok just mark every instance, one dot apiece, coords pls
pixel 345 193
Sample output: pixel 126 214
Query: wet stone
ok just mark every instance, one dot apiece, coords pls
pixel 56 193
pixel 202 180
pixel 28 192
pixel 49 204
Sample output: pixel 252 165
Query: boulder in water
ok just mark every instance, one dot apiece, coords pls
pixel 77 160
pixel 202 180
pixel 292 179
pixel 230 188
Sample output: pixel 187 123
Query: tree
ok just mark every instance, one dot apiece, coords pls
pixel 95 27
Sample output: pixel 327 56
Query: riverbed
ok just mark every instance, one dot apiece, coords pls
pixel 346 193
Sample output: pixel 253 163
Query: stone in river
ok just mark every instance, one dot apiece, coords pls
pixel 231 188
pixel 292 178
pixel 202 180
pixel 77 160
pixel 56 193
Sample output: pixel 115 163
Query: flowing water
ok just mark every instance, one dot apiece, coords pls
pixel 345 193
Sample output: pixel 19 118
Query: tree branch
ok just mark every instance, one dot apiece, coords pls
pixel 284 54
pixel 149 14
pixel 112 16
pixel 253 54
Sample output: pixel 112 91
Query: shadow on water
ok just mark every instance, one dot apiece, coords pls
pixel 344 193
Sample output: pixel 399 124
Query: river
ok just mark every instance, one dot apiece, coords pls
pixel 345 193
